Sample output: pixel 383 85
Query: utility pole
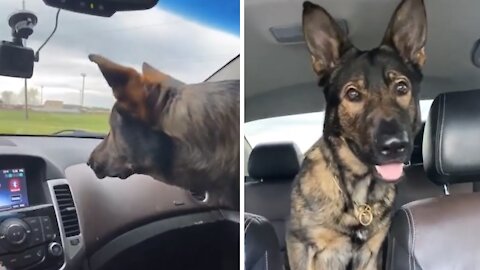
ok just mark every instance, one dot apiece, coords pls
pixel 41 95
pixel 82 93
pixel 25 81
pixel 26 99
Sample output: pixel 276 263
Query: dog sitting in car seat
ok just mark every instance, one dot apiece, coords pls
pixel 342 198
pixel 183 135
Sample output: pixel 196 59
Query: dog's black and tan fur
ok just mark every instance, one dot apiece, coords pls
pixel 370 96
pixel 184 135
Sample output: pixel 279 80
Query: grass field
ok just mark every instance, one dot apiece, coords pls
pixel 43 123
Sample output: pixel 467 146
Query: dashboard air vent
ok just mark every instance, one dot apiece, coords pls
pixel 67 210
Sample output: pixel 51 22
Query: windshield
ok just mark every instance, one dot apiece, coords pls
pixel 185 39
pixel 302 129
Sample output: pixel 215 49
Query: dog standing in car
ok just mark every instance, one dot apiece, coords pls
pixel 183 135
pixel 341 202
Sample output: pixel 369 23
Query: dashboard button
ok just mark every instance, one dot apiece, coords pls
pixel 11 261
pixel 46 223
pixel 33 221
pixel 55 249
pixel 48 231
pixel 38 253
pixel 13 232
pixel 36 234
pixel 50 236
pixel 32 256
pixel 16 234
pixel 36 238
pixel 27 258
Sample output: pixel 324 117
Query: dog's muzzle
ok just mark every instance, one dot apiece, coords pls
pixel 102 170
pixel 392 148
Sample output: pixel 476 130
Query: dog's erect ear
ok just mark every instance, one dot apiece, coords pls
pixel 127 85
pixel 326 41
pixel 407 31
pixel 154 75
pixel 117 76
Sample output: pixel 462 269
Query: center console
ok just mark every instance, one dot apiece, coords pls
pixel 29 231
pixel 30 238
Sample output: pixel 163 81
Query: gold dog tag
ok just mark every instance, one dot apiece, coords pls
pixel 364 214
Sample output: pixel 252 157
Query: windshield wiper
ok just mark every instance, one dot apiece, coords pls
pixel 78 133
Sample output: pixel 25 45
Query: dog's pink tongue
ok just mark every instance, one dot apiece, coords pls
pixel 390 172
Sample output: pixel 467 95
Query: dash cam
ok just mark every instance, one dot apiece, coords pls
pixel 17 60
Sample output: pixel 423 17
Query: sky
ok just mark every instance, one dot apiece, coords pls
pixel 302 129
pixel 178 37
pixel 221 14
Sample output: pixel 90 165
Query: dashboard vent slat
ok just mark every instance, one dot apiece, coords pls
pixel 67 209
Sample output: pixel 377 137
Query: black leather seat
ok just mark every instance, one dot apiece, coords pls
pixel 441 232
pixel 272 168
pixel 262 251
pixel 416 184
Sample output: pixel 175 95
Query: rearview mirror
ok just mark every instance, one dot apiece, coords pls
pixel 104 8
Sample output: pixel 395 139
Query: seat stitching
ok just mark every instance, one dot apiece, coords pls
pixel 249 220
pixel 252 218
pixel 392 255
pixel 409 243
pixel 266 259
pixel 257 219
pixel 414 236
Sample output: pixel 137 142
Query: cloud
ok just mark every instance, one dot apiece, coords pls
pixel 180 47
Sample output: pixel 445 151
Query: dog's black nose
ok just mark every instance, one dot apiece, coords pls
pixel 393 145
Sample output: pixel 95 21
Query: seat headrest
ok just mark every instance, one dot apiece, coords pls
pixel 274 161
pixel 451 141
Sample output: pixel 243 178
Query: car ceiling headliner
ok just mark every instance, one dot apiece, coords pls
pixel 279 79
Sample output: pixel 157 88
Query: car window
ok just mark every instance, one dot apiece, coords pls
pixel 68 92
pixel 302 129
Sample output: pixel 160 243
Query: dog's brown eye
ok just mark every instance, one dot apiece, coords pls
pixel 401 88
pixel 353 95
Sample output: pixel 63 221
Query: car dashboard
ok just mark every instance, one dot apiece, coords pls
pixel 56 214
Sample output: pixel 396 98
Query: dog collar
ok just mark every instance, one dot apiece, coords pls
pixel 363 211
pixel 364 214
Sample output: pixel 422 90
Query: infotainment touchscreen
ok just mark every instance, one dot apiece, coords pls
pixel 13 189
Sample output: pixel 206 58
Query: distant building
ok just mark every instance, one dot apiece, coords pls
pixel 57 106
pixel 53 105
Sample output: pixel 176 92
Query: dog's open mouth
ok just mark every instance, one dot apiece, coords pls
pixel 390 172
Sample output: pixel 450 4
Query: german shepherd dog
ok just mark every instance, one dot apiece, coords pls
pixel 341 202
pixel 183 135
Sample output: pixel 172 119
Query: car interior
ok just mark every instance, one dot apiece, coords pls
pixel 435 202
pixel 81 222
pixel 67 218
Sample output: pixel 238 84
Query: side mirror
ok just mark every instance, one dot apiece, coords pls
pixel 104 8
